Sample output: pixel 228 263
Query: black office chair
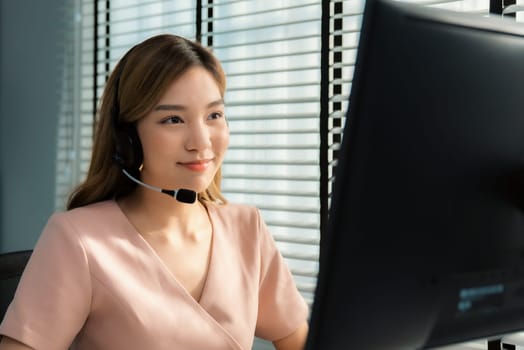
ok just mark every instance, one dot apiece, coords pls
pixel 11 267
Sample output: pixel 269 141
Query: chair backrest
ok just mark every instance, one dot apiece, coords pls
pixel 11 268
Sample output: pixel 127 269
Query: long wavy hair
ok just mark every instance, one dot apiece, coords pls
pixel 134 87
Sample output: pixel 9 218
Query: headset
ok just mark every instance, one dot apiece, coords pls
pixel 128 149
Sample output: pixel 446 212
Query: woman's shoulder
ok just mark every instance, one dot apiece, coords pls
pixel 234 212
pixel 97 208
pixel 92 215
pixel 236 218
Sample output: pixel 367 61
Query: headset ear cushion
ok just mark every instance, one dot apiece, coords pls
pixel 128 150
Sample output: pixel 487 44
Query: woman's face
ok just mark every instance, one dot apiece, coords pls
pixel 185 137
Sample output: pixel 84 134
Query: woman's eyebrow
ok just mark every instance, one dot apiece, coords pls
pixel 182 107
pixel 218 102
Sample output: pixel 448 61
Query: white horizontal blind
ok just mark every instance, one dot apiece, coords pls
pixel 124 23
pixel 270 51
pixel 76 100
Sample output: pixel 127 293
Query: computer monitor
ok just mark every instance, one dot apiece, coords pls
pixel 425 238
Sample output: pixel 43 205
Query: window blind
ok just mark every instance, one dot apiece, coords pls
pixel 121 24
pixel 75 118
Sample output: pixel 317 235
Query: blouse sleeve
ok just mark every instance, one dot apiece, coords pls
pixel 281 308
pixel 53 297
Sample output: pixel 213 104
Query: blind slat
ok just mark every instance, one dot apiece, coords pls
pixel 260 42
pixel 278 10
pixel 270 192
pixel 260 27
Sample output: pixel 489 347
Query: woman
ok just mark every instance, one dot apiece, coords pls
pixel 130 267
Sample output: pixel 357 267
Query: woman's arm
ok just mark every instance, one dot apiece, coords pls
pixel 11 344
pixel 294 341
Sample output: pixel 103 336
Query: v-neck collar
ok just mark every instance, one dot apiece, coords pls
pixel 139 239
pixel 198 306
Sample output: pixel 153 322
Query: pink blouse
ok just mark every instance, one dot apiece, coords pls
pixel 93 282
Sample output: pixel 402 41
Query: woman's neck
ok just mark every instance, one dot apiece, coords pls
pixel 157 213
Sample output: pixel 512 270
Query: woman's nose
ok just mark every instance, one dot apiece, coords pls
pixel 198 137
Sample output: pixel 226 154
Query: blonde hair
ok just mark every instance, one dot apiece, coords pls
pixel 134 87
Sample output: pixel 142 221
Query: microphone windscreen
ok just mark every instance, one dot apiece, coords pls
pixel 186 196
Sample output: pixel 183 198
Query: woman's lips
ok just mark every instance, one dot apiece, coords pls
pixel 198 165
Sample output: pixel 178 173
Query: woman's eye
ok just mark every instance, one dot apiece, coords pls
pixel 215 115
pixel 172 120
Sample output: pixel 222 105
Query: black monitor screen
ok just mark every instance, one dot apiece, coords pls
pixel 425 238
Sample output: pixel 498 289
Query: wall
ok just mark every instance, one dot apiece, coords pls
pixel 30 54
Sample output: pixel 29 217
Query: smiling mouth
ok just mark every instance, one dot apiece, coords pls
pixel 199 165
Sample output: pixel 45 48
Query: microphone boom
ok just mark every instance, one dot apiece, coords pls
pixel 182 195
